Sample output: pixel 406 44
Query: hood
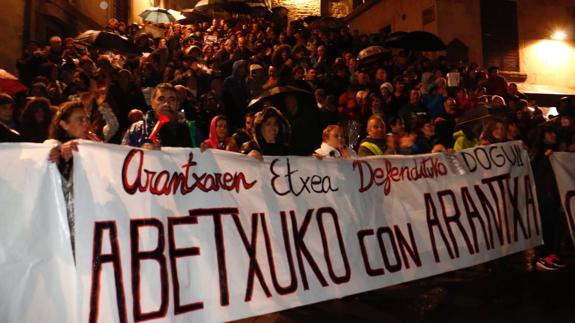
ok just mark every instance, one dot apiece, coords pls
pixel 284 126
pixel 237 65
pixel 213 138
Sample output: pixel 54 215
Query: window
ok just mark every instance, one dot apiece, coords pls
pixel 499 34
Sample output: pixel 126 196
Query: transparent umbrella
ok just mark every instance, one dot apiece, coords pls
pixel 158 15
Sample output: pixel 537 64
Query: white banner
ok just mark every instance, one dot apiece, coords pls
pixel 562 163
pixel 180 235
pixel 36 265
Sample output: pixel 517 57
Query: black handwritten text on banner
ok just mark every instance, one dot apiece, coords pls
pixel 217 236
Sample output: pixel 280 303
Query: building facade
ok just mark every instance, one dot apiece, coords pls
pixel 38 20
pixel 511 34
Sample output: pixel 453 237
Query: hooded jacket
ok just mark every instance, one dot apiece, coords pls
pixel 236 94
pixel 281 146
pixel 213 140
pixel 462 142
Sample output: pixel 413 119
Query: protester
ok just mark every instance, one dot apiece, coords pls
pixel 253 54
pixel 494 132
pixel 237 140
pixel 552 221
pixel 375 143
pixel 495 83
pixel 176 132
pixel 218 138
pixel 7 111
pixel 271 135
pixel 445 122
pixel 467 136
pixel 426 140
pixel 333 144
pixel 69 124
pixel 410 111
pixel 35 120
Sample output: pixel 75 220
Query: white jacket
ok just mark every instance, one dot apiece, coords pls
pixel 327 151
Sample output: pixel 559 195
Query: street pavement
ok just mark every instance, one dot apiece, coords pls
pixel 509 289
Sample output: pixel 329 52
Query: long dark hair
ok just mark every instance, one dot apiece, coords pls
pixel 64 112
pixel 30 129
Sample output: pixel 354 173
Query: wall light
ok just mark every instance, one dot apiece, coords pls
pixel 559 35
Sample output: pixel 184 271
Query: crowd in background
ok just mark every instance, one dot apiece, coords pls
pixel 211 85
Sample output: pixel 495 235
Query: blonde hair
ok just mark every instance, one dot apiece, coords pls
pixel 327 131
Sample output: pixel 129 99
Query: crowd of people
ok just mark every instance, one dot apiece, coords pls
pixel 262 87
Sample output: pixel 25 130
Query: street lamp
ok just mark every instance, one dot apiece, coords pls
pixel 559 35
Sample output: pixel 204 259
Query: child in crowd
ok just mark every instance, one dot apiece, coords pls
pixel 333 145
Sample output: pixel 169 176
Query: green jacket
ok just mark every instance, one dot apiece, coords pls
pixel 462 142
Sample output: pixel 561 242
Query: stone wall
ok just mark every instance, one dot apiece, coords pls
pixel 91 8
pixel 461 19
pixel 401 15
pixel 12 33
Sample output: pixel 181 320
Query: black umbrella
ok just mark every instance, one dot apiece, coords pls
pixel 280 11
pixel 275 95
pixel 395 35
pixel 416 40
pixel 193 16
pixel 260 11
pixel 310 19
pixel 107 40
pixel 223 7
pixel 326 23
pixel 238 7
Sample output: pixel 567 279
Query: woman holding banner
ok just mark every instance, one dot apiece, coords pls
pixel 219 138
pixel 271 135
pixel 69 123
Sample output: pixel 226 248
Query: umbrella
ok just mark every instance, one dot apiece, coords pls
pixel 223 7
pixel 280 11
pixel 395 35
pixel 157 15
pixel 310 19
pixel 275 96
pixel 177 14
pixel 326 23
pixel 194 16
pixel 260 11
pixel 415 40
pixel 10 84
pixel 106 40
pixel 371 55
pixel 238 7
